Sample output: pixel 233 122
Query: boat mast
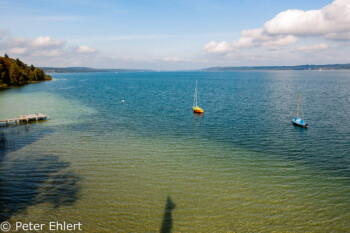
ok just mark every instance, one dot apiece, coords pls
pixel 298 104
pixel 196 94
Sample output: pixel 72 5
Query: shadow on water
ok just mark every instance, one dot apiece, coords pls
pixel 167 222
pixel 15 137
pixel 31 179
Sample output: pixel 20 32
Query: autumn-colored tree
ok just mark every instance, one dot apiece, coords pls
pixel 14 72
pixel 16 75
pixel 18 62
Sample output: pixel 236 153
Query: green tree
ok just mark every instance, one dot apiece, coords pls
pixel 1 75
pixel 15 74
pixel 6 56
pixel 39 74
pixel 18 62
pixel 31 76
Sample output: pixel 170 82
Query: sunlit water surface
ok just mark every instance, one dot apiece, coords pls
pixel 148 164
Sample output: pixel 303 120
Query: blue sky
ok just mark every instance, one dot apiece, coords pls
pixel 175 35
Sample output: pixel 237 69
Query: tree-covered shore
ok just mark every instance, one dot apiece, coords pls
pixel 14 72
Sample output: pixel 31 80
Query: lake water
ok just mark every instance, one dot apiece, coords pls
pixel 148 164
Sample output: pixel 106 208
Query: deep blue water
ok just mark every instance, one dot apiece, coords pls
pixel 247 109
pixel 92 141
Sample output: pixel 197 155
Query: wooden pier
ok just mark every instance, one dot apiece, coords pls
pixel 25 119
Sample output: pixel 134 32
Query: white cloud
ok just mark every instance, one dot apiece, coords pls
pixel 280 41
pixel 45 41
pixel 258 38
pixel 251 38
pixel 41 46
pixel 213 47
pixel 338 36
pixel 44 50
pixel 296 22
pixel 48 53
pixel 85 49
pixel 18 51
pixel 331 22
pixel 174 59
pixel 333 18
pixel 314 47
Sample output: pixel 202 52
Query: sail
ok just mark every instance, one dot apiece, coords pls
pixel 195 100
pixel 195 96
pixel 196 109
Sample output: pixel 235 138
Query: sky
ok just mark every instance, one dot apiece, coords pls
pixel 175 34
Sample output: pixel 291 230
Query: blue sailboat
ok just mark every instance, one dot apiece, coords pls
pixel 297 120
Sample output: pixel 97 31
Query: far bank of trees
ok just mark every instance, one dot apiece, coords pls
pixel 14 72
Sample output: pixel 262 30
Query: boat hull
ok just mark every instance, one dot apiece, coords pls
pixel 299 122
pixel 198 110
pixel 303 126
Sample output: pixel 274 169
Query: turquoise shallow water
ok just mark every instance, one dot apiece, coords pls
pixel 149 164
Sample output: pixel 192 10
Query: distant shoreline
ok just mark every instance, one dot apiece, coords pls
pixel 88 70
pixel 299 67
pixel 233 68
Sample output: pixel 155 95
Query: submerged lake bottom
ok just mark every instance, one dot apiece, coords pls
pixel 124 152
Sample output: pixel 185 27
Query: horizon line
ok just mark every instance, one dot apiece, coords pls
pixel 335 66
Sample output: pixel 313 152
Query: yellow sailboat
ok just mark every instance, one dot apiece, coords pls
pixel 195 107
